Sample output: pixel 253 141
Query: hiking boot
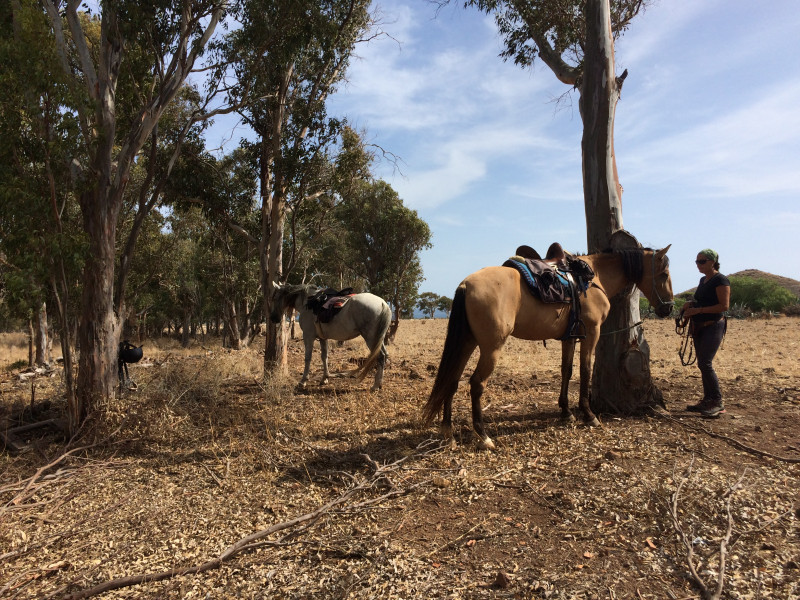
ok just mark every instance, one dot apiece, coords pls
pixel 700 406
pixel 712 411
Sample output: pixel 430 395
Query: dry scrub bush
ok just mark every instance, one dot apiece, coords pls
pixel 189 401
pixel 793 310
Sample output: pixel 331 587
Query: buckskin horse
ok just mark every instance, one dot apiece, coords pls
pixel 494 303
pixel 363 314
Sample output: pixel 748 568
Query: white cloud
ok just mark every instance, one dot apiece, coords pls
pixel 738 153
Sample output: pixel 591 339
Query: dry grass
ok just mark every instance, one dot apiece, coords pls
pixel 207 453
pixel 13 348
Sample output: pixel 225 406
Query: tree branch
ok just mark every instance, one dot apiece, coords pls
pixel 293 527
pixel 563 71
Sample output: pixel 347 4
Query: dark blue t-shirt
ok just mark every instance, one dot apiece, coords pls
pixel 706 295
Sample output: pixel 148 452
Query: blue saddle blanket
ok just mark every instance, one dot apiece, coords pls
pixel 546 282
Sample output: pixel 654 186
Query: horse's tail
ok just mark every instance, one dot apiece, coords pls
pixel 383 326
pixel 454 357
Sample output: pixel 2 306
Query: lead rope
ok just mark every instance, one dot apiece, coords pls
pixel 687 345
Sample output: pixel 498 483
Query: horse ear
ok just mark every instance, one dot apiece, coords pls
pixel 663 251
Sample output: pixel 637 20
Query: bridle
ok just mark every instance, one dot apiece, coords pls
pixel 661 302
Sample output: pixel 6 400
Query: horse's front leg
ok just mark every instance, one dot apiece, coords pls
pixel 567 355
pixel 323 351
pixel 587 351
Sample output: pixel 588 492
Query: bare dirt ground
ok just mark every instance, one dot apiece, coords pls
pixel 344 495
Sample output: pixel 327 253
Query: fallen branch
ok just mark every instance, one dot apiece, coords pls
pixel 257 540
pixel 730 440
pixel 689 545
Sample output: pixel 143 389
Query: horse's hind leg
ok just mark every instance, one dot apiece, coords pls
pixel 449 389
pixel 477 384
pixel 567 355
pixel 378 384
pixel 587 351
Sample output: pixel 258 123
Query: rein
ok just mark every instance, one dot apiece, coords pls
pixel 687 345
pixel 623 329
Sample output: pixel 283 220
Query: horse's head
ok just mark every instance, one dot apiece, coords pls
pixel 278 302
pixel 656 283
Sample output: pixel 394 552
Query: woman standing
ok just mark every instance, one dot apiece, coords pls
pixel 711 300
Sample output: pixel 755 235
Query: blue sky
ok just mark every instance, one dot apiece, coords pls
pixel 707 136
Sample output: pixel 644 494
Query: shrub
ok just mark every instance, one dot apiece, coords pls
pixel 760 294
pixel 739 311
pixel 793 310
pixel 646 310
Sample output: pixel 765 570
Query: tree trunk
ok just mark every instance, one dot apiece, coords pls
pixel 31 335
pixel 394 325
pixel 272 228
pixel 185 325
pixel 621 381
pixel 98 331
pixel 41 338
pixel 232 324
pixel 275 354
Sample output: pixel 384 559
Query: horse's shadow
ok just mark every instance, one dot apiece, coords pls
pixel 506 426
pixel 330 467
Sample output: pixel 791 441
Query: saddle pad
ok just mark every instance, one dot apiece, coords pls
pixel 331 307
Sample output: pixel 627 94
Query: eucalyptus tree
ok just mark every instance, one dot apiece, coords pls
pixel 291 54
pixel 575 39
pixel 228 201
pixel 40 236
pixel 383 243
pixel 314 235
pixel 173 158
pixel 444 304
pixel 120 87
pixel 428 303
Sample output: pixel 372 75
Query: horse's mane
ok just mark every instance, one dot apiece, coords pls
pixel 293 290
pixel 632 263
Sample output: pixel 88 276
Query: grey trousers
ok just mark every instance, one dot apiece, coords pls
pixel 707 341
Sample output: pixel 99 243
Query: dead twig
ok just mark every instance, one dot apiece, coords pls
pixel 452 543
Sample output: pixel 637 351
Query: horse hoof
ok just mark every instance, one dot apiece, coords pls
pixel 486 444
pixel 375 388
pixel 324 381
pixel 594 422
pixel 568 418
pixel 302 385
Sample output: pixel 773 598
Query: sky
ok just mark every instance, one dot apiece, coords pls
pixel 707 136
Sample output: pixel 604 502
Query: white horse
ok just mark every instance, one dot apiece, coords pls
pixel 364 314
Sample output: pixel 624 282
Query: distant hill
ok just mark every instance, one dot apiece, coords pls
pixel 790 284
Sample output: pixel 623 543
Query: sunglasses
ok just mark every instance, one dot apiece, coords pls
pixel 702 261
